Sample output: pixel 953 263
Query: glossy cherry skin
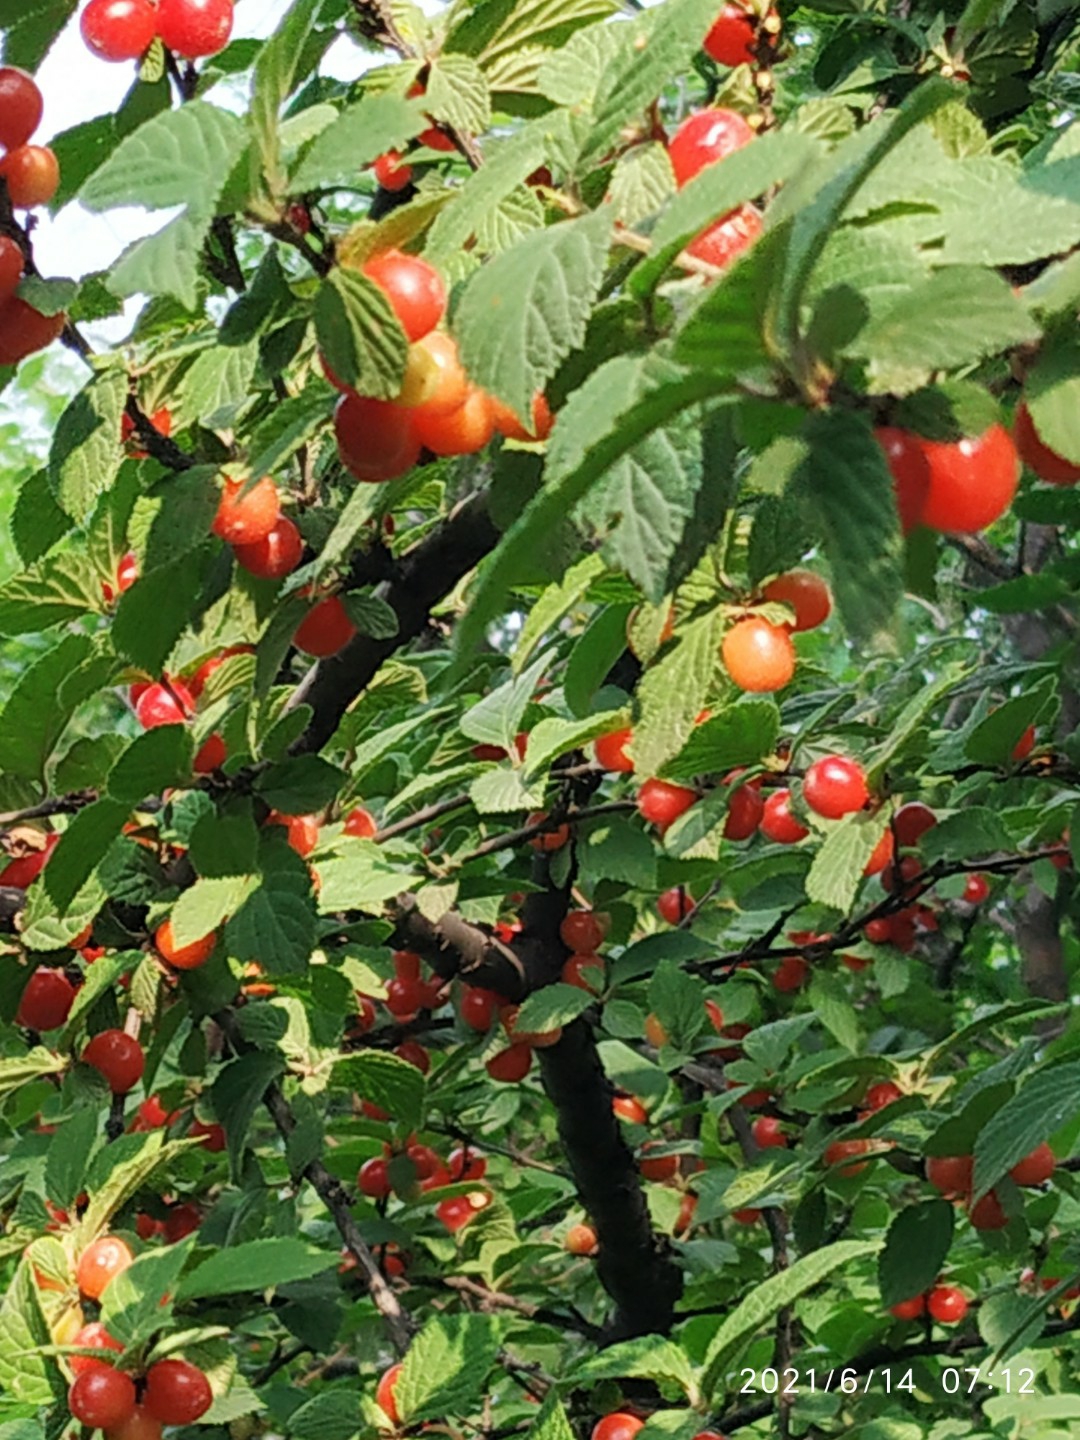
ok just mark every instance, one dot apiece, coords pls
pixel 24 870
pixel 584 971
pixel 384 1393
pixel 377 439
pixel 946 1304
pixel 1035 1168
pixel 910 472
pixel 509 426
pixel 704 138
pixel 611 753
pixel 725 240
pixel 661 803
pixel 778 823
pixel 950 1174
pixel 102 1398
pixel 768 1133
pixel 392 172
pixel 99 1262
pixel 164 705
pixel 478 1007
pixel 972 481
pixel 21 107
pixel 325 629
pixel 32 173
pixel 911 822
pixel 24 331
pixel 194 28
pixel 976 890
pixel 276 555
pixel 617 1426
pixel 118 29
pixel 988 1213
pixel 374 1179
pixel 746 806
pixel 360 823
pixel 582 932
pixel 12 262
pixel 118 1057
pixel 835 786
pixel 463 431
pixel 511 1064
pixel 581 1240
pixel 414 288
pixel 909 1309
pixel 1037 455
pixel 177 1393
pixel 674 904
pixel 247 515
pixel 807 594
pixel 841 1150
pixel 93 1337
pixel 732 37
pixel 183 957
pixel 758 656
pixel 47 1000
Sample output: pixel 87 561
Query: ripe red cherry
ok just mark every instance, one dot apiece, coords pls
pixel 407 965
pixel 198 682
pixel 611 752
pixel 661 803
pixel 617 1426
pixel 510 1065
pixel 732 38
pixel 434 363
pixel 415 290
pixel 374 1179
pixel 102 1398
pixel 177 1393
pixel 360 823
pixel 1036 1168
pixel 882 1094
pixel 463 431
pixel 553 839
pixel 704 138
pixel 414 1054
pixel 1037 456
pixel 194 28
pixel 32 173
pixel 842 1150
pixel 778 823
pixel 93 1337
pixel 210 756
pixel 1024 746
pixel 99 1263
pixel 657 1167
pixel 404 997
pixel 392 172
pixel 245 518
pixel 302 830
pixel 806 593
pixel 24 331
pixel 456 1212
pixel 745 807
pixel 909 1309
pixel 325 629
pixel 11 267
pixel 972 481
pixel 758 656
pixel 911 822
pixel 976 890
pixel 582 932
pixel 478 1007
pixel 182 1220
pixel 950 1174
pixel 768 1133
pixel 118 1057
pixel 509 426
pixel 183 957
pixel 275 555
pixel 21 107
pixel 907 462
pixel 376 439
pixel 139 1425
pixel 835 786
pixel 47 1000
pixel 584 971
pixel 118 29
pixel 212 1135
pixel 791 974
pixel 165 704
pixel 630 1109
pixel 946 1304
pixel 384 1393
pixel 127 572
pixel 988 1213
pixel 725 240
pixel 24 871
pixel 675 904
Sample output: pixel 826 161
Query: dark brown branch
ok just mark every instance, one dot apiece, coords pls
pixel 61 805
pixel 510 839
pixel 422 817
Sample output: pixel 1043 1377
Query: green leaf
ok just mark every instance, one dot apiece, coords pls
pixel 973 831
pixel 275 925
pixel 66 1162
pixel 37 522
pixel 237 1094
pixel 290 426
pixel 837 871
pixel 502 173
pixel 100 979
pixel 915 1250
pixel 34 718
pixel 85 454
pixel 550 1007
pixel 330 1415
pixel 276 72
pixel 770 1296
pixel 446 1367
pixel 640 183
pixel 359 135
pixel 131 1161
pixel 554 605
pixel 830 1002
pixel 300 785
pixel 359 333
pixel 740 734
pixel 203 906
pixel 849 491
pixel 992 741
pixel 359 878
pixel 676 999
pixel 217 382
pixel 552 737
pixel 497 718
pixel 81 849
pixel 27 1373
pixel 1043 1102
pixel 371 615
pixel 595 651
pixel 28 30
pixel 457 93
pixel 177 515
pixel 154 613
pixel 19 1070
pixel 673 691
pixel 58 588
pixel 504 790
pixel 645 1358
pixel 613 848
pixel 257 1265
pixel 387 1081
pixel 138 1301
pixel 522 314
pixel 154 761
pixel 956 316
pixel 225 843
pixel 1052 394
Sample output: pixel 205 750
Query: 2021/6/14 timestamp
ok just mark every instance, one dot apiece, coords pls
pixel 849 1381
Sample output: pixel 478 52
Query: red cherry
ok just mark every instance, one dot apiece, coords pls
pixel 768 1133
pixel 198 682
pixel 384 1393
pixel 407 965
pixel 841 1150
pixel 882 1094
pixel 611 752
pixel 118 1057
pixel 732 38
pixel 977 889
pixel 183 957
pixel 127 572
pixel 118 29
pixel 1024 746
pixel 584 971
pixel 99 1263
pixel 212 1136
pixel 47 1000
pixel 21 107
pixel 661 803
pixel 210 756
pixel 553 839
pixel 456 1212
pixel 778 823
pixel 414 1054
pixel 376 439
pixel 909 1309
pixel 404 998
pixel 325 629
pixel 1037 455
pixel 988 1214
pixel 140 1425
pixel 392 172
pixel 160 420
pixel 302 831
pixel 791 974
pixel 746 1217
pixel 465 1164
pixel 725 240
pixel 276 555
pixel 508 424
pixel 946 1304
pixel 950 1174
pixel 1036 1168
pixel 903 875
pixel 374 1179
pixel 581 1240
pixel 910 472
pixel 972 481
pixel 626 1107
pixel 23 330
pixel 582 932
pixel 194 28
pixel 478 1007
pixel 462 431
pixel 102 1398
pixel 182 1220
pixel 93 1337
pixel 510 1065
pixel 617 1426
pixel 152 1114
pixel 745 807
pixel 806 593
pixel 12 262
pixel 247 515
pixel 704 138
pixel 911 822
pixel 881 855
pixel 675 904
pixel 177 1393
pixel 657 1167
pixel 835 786
pixel 23 871
pixel 170 703
pixel 415 290
pixel 360 823
pixel 32 173
pixel 685 1217
pixel 758 656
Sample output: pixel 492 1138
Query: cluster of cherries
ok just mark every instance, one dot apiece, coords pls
pixel 32 175
pixel 103 1396
pixel 392 171
pixel 430 1172
pixel 438 409
pixel 124 29
pixel 953 1176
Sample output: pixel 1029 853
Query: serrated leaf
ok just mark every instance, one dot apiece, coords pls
pixel 915 1250
pixel 37 522
pixel 27 1373
pixel 330 1415
pixel 276 73
pixel 502 173
pixel 275 925
pixel 446 1366
pixel 179 157
pixel 33 719
pixel 18 1070
pixel 359 135
pixel 457 93
pixel 85 454
pixel 553 736
pixel 387 1081
pixel 838 868
pixel 371 615
pixel 138 1301
pixel 65 1164
pixel 740 734
pixel 131 1161
pixel 503 790
pixel 152 762
pixel 673 692
pixel 1052 394
pixel 359 334
pixel 154 612
pixel 1043 1102
pixel 993 740
pixel 81 849
pixel 645 1358
pixel 203 906
pixel 522 314
pixel 237 1093
pixel 217 381
pixel 290 426
pixel 300 784
pixel 553 605
pixel 613 848
pixel 830 1002
pixel 551 1007
pixel 359 878
pixel 256 1265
